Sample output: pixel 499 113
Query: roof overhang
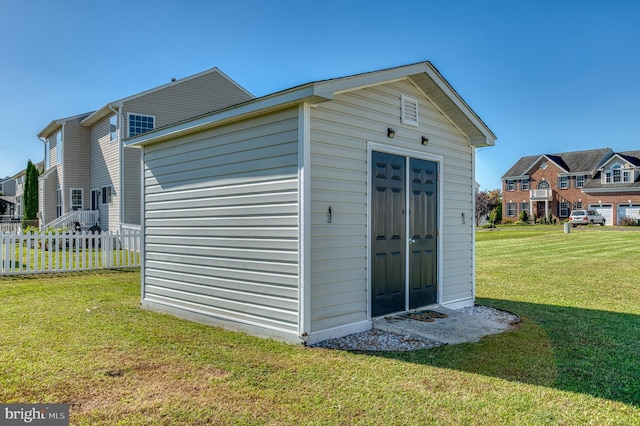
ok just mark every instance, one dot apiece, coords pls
pixel 544 156
pixel 238 112
pixel 620 159
pixel 423 75
pixel 515 177
pixel 56 125
pixel 50 129
pixel 103 112
pixel 610 190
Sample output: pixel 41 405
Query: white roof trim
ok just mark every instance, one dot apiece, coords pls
pixel 56 124
pixel 607 162
pixel 319 92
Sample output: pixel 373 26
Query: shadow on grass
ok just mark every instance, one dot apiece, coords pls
pixel 571 349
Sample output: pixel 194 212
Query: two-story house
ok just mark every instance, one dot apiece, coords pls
pixel 90 177
pixel 556 184
pixel 12 192
pixel 7 198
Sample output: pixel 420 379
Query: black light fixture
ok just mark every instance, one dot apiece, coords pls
pixel 390 132
pixel 425 140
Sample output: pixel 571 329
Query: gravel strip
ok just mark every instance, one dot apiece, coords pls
pixel 378 340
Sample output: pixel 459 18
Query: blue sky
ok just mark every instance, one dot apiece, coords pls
pixel 545 76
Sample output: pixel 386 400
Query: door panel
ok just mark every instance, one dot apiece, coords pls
pixel 388 233
pixel 423 265
pixel 389 242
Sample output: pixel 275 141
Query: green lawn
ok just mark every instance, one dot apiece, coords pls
pixel 82 339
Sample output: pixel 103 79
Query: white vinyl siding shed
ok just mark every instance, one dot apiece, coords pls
pixel 256 218
pixel 221 226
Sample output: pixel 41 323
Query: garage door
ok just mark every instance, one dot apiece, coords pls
pixel 632 211
pixel 605 210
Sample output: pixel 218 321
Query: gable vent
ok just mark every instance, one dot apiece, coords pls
pixel 409 111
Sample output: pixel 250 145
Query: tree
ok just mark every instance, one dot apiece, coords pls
pixel 482 206
pixel 495 198
pixel 30 198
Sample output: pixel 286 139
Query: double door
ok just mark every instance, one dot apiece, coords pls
pixel 403 233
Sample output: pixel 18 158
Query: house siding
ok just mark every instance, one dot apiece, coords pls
pixel 104 161
pixel 76 162
pixel 221 224
pixel 340 130
pixel 47 195
pixel 186 99
pixel 171 104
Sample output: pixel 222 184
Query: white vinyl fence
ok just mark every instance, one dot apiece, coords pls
pixel 66 252
pixel 10 227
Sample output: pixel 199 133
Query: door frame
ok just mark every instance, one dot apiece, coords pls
pixel 408 154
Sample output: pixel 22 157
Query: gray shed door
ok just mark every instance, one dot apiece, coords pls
pixel 392 276
pixel 423 231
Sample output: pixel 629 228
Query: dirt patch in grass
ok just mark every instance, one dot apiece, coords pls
pixel 130 383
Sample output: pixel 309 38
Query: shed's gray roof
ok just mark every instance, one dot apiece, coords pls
pixel 572 162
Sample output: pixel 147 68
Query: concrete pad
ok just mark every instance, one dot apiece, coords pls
pixel 458 327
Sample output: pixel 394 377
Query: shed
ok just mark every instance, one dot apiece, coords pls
pixel 304 214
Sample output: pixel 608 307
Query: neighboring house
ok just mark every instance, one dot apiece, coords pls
pixel 8 208
pixel 556 184
pixel 8 197
pixel 19 179
pixel 8 186
pixel 304 214
pixel 90 177
pixel 12 189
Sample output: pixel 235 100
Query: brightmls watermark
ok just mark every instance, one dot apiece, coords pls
pixel 34 414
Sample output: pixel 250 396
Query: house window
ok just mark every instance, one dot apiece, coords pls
pixel 524 206
pixel 59 147
pixel 76 198
pixel 564 209
pixel 113 127
pixel 140 123
pixel 47 155
pixel 564 182
pixel 617 175
pixel 107 194
pixel 580 181
pixel 577 205
pixel 511 209
pixel 58 202
pixel 543 184
pixel 511 185
pixel 524 184
pixel 409 111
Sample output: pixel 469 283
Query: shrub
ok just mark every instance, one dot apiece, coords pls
pixel 524 216
pixel 495 216
pixel 628 221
